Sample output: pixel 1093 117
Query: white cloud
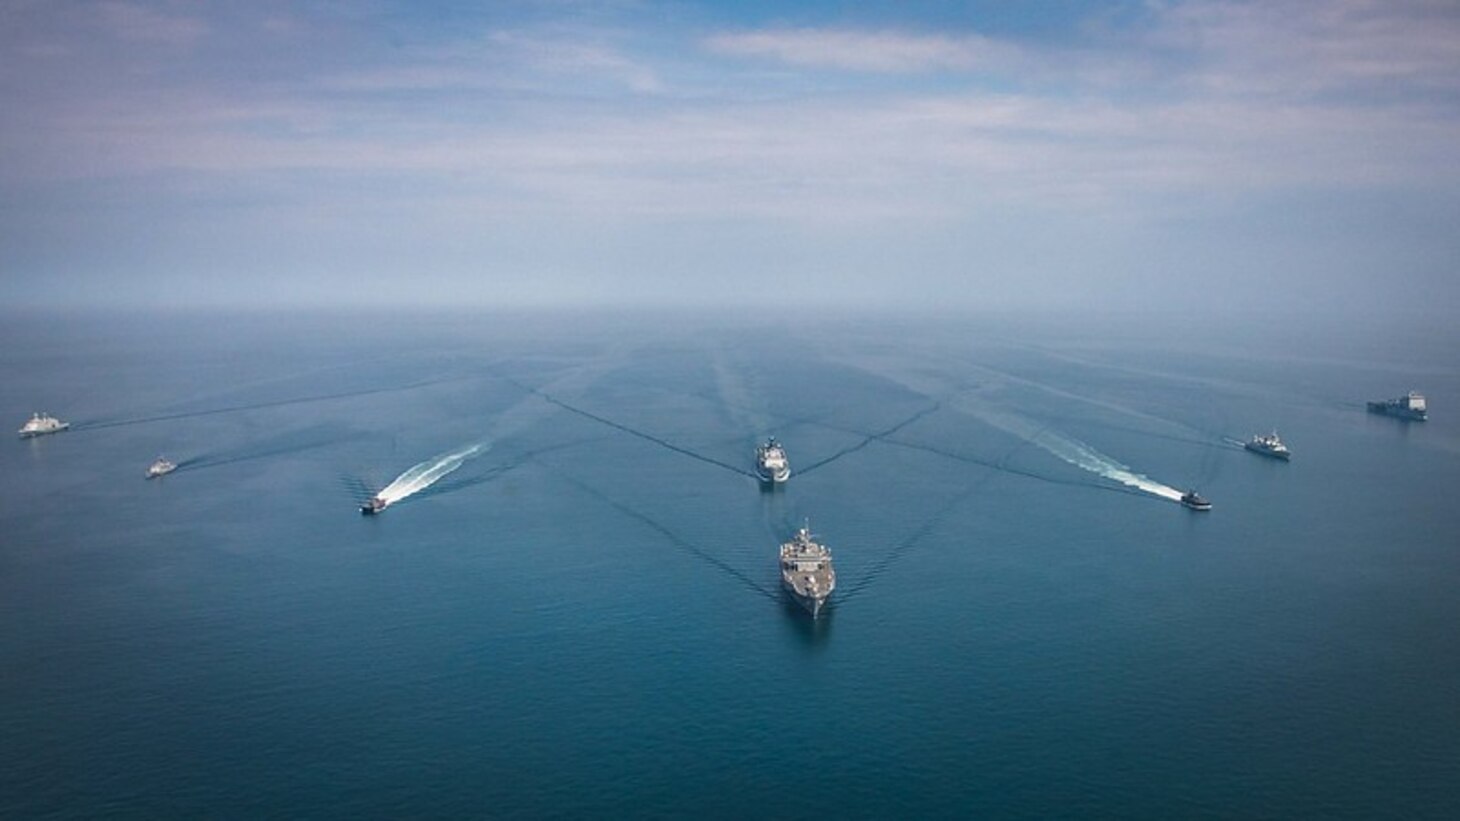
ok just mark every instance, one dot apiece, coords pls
pixel 572 55
pixel 135 21
pixel 871 51
pixel 1291 47
pixel 1110 124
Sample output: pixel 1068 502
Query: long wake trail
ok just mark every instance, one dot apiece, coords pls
pixel 673 538
pixel 886 437
pixel 278 403
pixel 875 571
pixel 547 397
pixel 1085 457
pixel 869 438
pixel 427 473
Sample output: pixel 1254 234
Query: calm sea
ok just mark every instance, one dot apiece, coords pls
pixel 573 607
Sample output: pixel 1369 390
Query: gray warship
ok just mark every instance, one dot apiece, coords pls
pixel 41 424
pixel 1269 445
pixel 1195 501
pixel 806 571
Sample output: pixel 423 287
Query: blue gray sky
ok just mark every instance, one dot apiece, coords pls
pixel 1052 155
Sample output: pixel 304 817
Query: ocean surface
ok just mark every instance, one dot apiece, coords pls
pixel 572 607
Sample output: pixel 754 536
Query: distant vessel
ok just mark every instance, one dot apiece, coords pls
pixel 161 467
pixel 41 424
pixel 771 464
pixel 1194 500
pixel 1269 445
pixel 1410 406
pixel 806 571
pixel 374 506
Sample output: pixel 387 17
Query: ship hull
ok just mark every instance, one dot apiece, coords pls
pixel 1273 454
pixel 772 479
pixel 31 434
pixel 1192 501
pixel 810 604
pixel 1385 409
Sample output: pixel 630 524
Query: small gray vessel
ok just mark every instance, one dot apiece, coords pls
pixel 1195 501
pixel 771 464
pixel 806 571
pixel 161 467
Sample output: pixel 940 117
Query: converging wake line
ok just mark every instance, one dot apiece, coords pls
pixel 869 438
pixel 278 403
pixel 630 431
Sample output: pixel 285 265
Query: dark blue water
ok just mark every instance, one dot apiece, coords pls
pixel 584 618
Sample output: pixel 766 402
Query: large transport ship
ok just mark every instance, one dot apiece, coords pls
pixel 1410 406
pixel 806 571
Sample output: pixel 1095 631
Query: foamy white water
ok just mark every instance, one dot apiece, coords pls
pixel 1069 449
pixel 1083 456
pixel 427 473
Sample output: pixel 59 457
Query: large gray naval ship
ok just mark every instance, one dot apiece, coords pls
pixel 1269 445
pixel 41 424
pixel 806 571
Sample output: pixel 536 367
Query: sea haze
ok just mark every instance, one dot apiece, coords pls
pixel 572 607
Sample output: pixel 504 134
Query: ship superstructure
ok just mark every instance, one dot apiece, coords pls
pixel 42 423
pixel 161 467
pixel 1269 445
pixel 806 571
pixel 771 464
pixel 1195 501
pixel 1410 406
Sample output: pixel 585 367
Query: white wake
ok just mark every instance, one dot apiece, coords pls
pixel 1083 456
pixel 1073 451
pixel 428 473
pixel 975 404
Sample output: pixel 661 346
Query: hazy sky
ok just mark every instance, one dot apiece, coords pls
pixel 1295 155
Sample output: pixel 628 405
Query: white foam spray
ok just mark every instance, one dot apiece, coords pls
pixel 1082 455
pixel 427 473
pixel 974 403
pixel 1072 450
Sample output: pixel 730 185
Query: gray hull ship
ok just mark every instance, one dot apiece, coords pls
pixel 806 571
pixel 1195 501
pixel 1410 406
pixel 41 424
pixel 1269 445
